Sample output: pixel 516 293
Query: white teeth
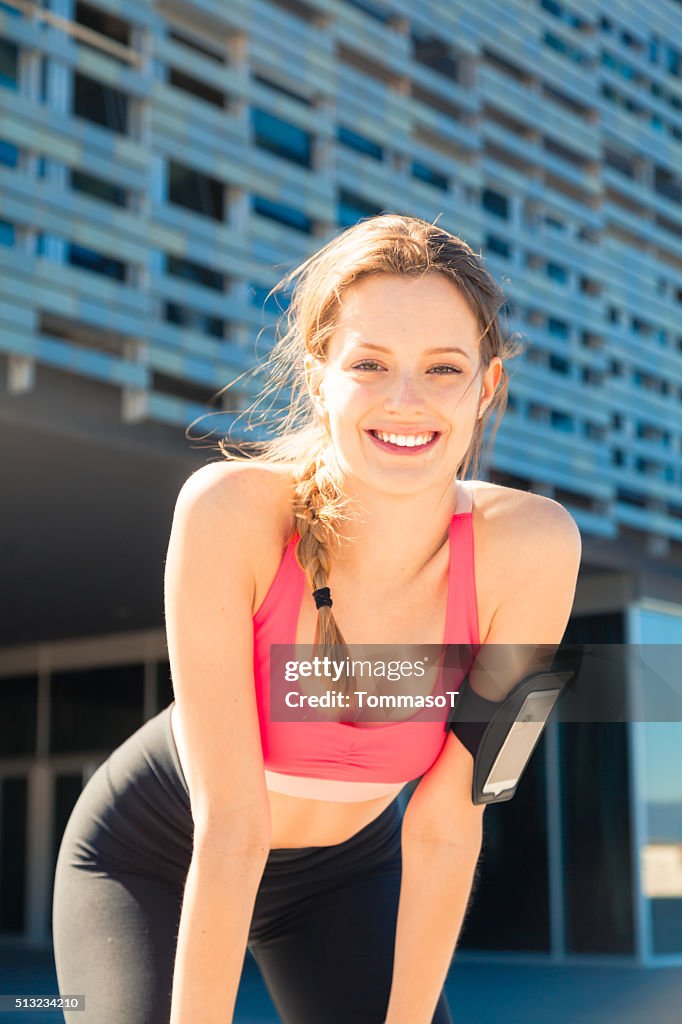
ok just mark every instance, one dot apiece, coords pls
pixel 403 440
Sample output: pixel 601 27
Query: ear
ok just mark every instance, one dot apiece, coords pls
pixel 313 375
pixel 490 382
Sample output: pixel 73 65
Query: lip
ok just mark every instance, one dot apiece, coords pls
pixel 395 450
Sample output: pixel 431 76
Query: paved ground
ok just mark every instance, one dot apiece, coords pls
pixel 478 993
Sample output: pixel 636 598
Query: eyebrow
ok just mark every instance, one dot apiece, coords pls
pixel 429 351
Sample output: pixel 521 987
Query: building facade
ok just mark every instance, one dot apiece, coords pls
pixel 162 164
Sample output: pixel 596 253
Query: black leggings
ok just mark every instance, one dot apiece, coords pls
pixel 323 927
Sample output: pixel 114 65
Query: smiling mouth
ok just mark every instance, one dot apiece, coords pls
pixel 405 448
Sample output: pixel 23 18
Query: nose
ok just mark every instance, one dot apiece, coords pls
pixel 403 394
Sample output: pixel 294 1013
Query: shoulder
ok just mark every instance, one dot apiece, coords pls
pixel 227 478
pixel 514 516
pixel 253 500
pixel 254 497
pixel 533 558
pixel 527 557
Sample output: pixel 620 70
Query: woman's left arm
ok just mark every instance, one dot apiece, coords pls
pixel 442 829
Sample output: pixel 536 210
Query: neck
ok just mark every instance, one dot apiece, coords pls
pixel 391 539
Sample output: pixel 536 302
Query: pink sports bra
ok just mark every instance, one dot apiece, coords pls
pixel 327 760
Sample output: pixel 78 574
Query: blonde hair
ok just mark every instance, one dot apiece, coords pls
pixel 386 244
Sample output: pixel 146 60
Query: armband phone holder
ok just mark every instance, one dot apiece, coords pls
pixel 501 735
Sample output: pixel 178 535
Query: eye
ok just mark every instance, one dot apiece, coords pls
pixel 364 363
pixel 371 362
pixel 454 369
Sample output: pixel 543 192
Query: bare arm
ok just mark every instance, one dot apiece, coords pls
pixel 218 902
pixel 209 588
pixel 442 829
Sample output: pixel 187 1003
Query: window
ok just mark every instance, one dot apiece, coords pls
pixel 186 316
pixel 9 154
pixel 352 207
pixel 95 708
pixel 506 66
pixel 571 156
pixel 668 184
pixel 283 214
pixel 282 89
pixel 281 138
pixel 100 103
pixel 437 102
pixel 9 64
pixel 558 328
pixel 97 262
pixel 373 10
pixel 98 188
pixel 198 273
pixel 430 177
pixel 498 246
pixel 189 84
pixel 195 191
pixel 203 47
pixel 495 202
pixel 619 162
pixel 103 22
pixel 299 9
pixel 81 334
pixel 361 143
pixel 6 233
pixel 561 421
pixel 557 273
pixel 365 66
pixel 561 46
pixel 18 716
pixel 559 364
pixel 180 387
pixel 435 54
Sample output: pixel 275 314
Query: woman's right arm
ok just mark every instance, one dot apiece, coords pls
pixel 208 591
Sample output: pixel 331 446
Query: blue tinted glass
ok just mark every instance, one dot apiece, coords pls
pixel 283 214
pixel 561 421
pixel 373 10
pixel 430 176
pixel 88 259
pixel 6 233
pixel 175 314
pixel 351 208
pixel 557 273
pixel 281 137
pixel 212 325
pixel 9 154
pixel 195 272
pixel 8 64
pixel 559 364
pixel 497 245
pixel 559 328
pixel 98 188
pixel 359 142
pixel 185 316
pixel 95 101
pixel 495 202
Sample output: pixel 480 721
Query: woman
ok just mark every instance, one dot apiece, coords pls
pixel 215 827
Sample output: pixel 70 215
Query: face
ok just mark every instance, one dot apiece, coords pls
pixel 382 375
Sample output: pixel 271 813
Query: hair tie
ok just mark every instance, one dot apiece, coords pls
pixel 322 597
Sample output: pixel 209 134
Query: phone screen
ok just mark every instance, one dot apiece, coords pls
pixel 520 741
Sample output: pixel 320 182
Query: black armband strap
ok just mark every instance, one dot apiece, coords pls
pixel 501 735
